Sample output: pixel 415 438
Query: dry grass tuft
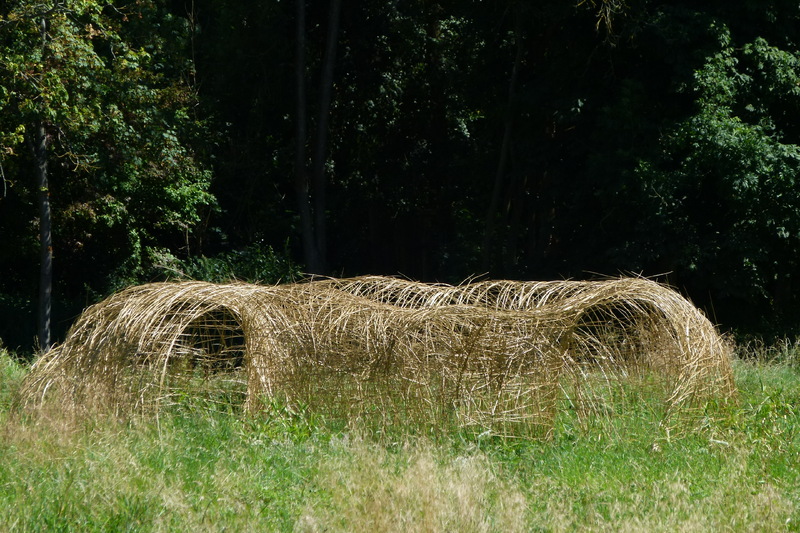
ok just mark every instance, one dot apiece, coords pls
pixel 496 355
pixel 373 490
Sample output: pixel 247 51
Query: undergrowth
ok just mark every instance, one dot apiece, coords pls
pixel 290 469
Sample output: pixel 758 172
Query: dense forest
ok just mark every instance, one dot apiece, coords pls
pixel 145 140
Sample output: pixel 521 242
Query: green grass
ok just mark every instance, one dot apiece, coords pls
pixel 292 470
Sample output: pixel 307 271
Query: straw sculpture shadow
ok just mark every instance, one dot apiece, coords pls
pixel 498 355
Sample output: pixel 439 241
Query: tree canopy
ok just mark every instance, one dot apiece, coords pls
pixel 436 140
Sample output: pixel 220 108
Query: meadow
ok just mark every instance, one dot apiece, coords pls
pixel 733 469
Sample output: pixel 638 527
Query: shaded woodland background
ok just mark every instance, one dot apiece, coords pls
pixel 436 140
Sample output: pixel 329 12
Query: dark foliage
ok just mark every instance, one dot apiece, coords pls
pixel 518 139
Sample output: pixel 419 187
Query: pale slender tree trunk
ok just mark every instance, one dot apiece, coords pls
pixel 45 238
pixel 40 149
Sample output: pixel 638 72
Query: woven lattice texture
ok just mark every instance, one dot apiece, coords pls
pixel 502 355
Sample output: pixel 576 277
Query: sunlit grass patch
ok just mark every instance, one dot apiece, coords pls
pixel 367 488
pixel 293 469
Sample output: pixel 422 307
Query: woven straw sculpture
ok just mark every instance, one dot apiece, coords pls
pixel 503 355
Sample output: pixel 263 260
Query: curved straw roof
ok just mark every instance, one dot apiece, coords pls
pixel 486 353
pixel 661 325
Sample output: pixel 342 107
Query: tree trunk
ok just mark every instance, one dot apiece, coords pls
pixel 39 147
pixel 310 253
pixel 311 193
pixel 45 238
pixel 321 143
pixel 505 147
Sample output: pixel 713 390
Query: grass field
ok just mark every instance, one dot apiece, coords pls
pixel 294 471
